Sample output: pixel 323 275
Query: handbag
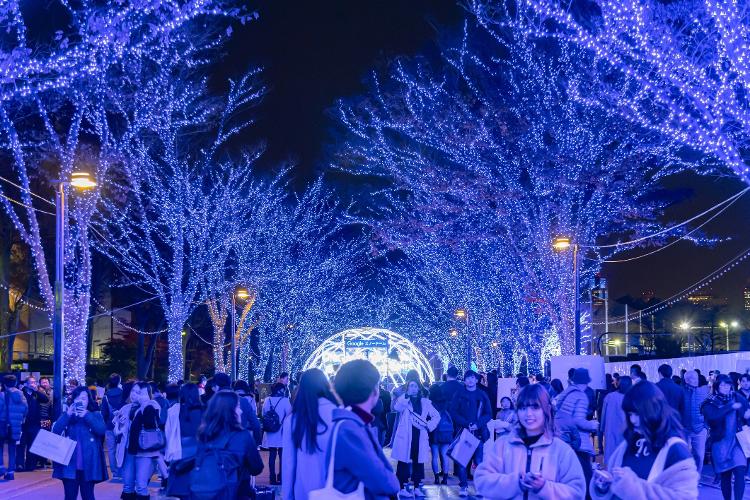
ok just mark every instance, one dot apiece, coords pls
pixel 151 440
pixel 53 446
pixel 463 447
pixel 743 437
pixel 329 492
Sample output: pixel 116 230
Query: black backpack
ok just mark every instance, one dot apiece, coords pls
pixel 444 430
pixel 215 473
pixel 271 421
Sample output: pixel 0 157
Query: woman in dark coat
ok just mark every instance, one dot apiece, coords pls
pixel 83 423
pixel 726 411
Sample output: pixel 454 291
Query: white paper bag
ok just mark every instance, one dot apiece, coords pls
pixel 743 437
pixel 57 448
pixel 463 447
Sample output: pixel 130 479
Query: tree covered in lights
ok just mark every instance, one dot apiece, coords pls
pixel 62 92
pixel 489 159
pixel 679 68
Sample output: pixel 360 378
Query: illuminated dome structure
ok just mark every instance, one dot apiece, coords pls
pixel 391 353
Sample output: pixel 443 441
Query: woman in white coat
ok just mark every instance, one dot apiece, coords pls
pixel 411 445
pixel 279 404
pixel 306 434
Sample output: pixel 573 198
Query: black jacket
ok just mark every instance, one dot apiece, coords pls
pixel 111 402
pixel 471 407
pixel 716 415
pixel 35 400
pixel 675 396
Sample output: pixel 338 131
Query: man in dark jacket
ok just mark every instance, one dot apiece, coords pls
pixel 451 385
pixel 675 396
pixel 34 400
pixel 111 402
pixel 470 409
pixel 358 456
pixel 13 409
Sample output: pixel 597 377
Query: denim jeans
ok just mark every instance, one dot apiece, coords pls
pixel 440 458
pixel 111 441
pixel 136 474
pixel 463 476
pixel 697 445
pixel 11 453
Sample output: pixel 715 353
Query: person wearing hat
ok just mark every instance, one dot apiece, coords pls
pixel 571 412
pixel 470 409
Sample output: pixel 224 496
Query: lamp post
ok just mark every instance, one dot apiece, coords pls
pixel 243 294
pixel 725 325
pixel 561 244
pixel 685 327
pixel 463 314
pixel 79 180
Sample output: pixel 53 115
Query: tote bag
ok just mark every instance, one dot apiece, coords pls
pixel 743 437
pixel 57 448
pixel 329 492
pixel 463 447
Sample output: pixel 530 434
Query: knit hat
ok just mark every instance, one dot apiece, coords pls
pixel 580 376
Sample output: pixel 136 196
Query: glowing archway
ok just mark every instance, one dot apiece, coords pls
pixel 391 353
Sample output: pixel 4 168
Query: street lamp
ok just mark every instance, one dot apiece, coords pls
pixel 463 314
pixel 453 332
pixel 242 294
pixel 79 180
pixel 562 244
pixel 725 325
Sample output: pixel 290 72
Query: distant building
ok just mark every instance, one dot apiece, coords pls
pixel 746 299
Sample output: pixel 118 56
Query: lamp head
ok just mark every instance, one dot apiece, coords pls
pixel 460 313
pixel 82 180
pixel 561 243
pixel 242 293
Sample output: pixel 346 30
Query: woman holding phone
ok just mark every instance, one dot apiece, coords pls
pixel 530 462
pixel 653 461
pixel 83 423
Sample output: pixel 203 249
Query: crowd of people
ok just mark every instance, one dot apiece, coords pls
pixel 540 441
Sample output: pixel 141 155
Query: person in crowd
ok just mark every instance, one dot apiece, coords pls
pixel 249 408
pixel 635 369
pixel 726 411
pixel 744 388
pixel 653 461
pixel 83 423
pixel 442 436
pixel 283 379
pixel 381 411
pixel 613 419
pixel 410 445
pixel 202 381
pixel 572 408
pixel 541 380
pixel 451 385
pixel 507 418
pixel 401 390
pixel 357 456
pixel 111 402
pixel 161 400
pixel 306 436
pixel 276 408
pixel 557 387
pixel 221 429
pixel 31 425
pixel 172 393
pixel 616 380
pixel 590 394
pixel 470 409
pixel 529 462
pixel 492 390
pixel 693 420
pixel 137 463
pixel 181 430
pixel 13 410
pixel 675 396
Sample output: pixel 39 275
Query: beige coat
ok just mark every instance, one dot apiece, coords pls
pixel 678 482
pixel 426 423
pixel 497 477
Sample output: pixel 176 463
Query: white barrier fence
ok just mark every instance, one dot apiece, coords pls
pixel 725 363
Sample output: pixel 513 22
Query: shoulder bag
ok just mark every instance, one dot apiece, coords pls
pixel 329 492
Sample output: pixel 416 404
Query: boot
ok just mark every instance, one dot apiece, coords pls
pixel 445 478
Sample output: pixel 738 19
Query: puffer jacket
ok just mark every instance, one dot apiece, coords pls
pixel 13 411
pixel 692 417
pixel 573 404
pixel 497 476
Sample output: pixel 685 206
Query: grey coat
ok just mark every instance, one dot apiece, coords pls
pixel 359 458
pixel 88 432
pixel 613 423
pixel 13 411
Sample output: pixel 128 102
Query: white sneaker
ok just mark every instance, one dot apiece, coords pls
pixel 419 492
pixel 463 492
pixel 404 493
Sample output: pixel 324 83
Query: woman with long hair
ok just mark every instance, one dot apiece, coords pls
pixel 613 418
pixel 305 436
pixel 183 420
pixel 653 461
pixel 139 417
pixel 83 423
pixel 221 431
pixel 530 462
pixel 273 425
pixel 442 436
pixel 726 410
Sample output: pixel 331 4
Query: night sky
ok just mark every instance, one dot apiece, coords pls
pixel 313 53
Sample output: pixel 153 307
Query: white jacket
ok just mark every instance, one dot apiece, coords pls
pixel 284 408
pixel 173 451
pixel 426 422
